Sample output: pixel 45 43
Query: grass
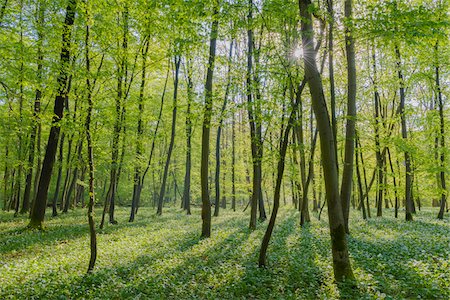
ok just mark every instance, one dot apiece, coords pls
pixel 162 257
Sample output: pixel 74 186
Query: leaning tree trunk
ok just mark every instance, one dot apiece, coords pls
pixel 40 203
pixel 206 204
pixel 284 137
pixel 347 173
pixel 172 136
pixel 341 260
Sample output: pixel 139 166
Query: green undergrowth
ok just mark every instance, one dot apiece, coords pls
pixel 162 257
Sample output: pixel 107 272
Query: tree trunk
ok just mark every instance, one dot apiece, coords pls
pixel 219 134
pixel 341 260
pixel 38 210
pixel 109 204
pixel 360 186
pixel 441 138
pixel 162 192
pixel 186 203
pixel 137 187
pixel 408 185
pixel 36 111
pixel 347 173
pixel 262 261
pixel 331 77
pixel 233 162
pixel 93 236
pixel 206 204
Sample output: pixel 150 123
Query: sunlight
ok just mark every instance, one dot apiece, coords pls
pixel 297 53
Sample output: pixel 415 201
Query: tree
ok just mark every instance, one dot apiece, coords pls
pixel 347 173
pixel 341 261
pixel 206 204
pixel 40 203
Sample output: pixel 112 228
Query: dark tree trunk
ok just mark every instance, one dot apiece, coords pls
pixel 219 134
pixel 162 192
pixel 331 77
pixel 137 187
pixel 347 173
pixel 233 162
pixel 93 236
pixel 38 210
pixel 395 183
pixel 255 126
pixel 262 261
pixel 441 138
pixel 408 183
pixel 304 213
pixel 341 260
pixel 36 111
pixel 206 204
pixel 186 202
pixel 360 186
pixel 58 180
pixel 109 204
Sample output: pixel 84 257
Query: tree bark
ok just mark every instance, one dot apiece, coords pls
pixel 137 184
pixel 347 173
pixel 37 107
pixel 38 210
pixel 280 171
pixel 206 204
pixel 341 260
pixel 93 236
pixel 443 186
pixel 408 183
pixel 162 192
pixel 187 176
pixel 219 134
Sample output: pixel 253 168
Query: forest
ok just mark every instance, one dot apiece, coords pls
pixel 224 149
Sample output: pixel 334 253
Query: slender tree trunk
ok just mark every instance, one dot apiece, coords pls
pixel 59 178
pixel 341 260
pixel 109 204
pixel 331 77
pixel 137 187
pixel 37 107
pixel 93 235
pixel 186 203
pixel 262 261
pixel 395 183
pixel 408 183
pixel 347 173
pixel 206 204
pixel 219 133
pixel 38 210
pixel 443 186
pixel 177 61
pixel 378 153
pixel 360 186
pixel 233 162
pixel 255 126
pixel 304 213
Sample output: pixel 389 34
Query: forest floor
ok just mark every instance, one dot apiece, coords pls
pixel 162 257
